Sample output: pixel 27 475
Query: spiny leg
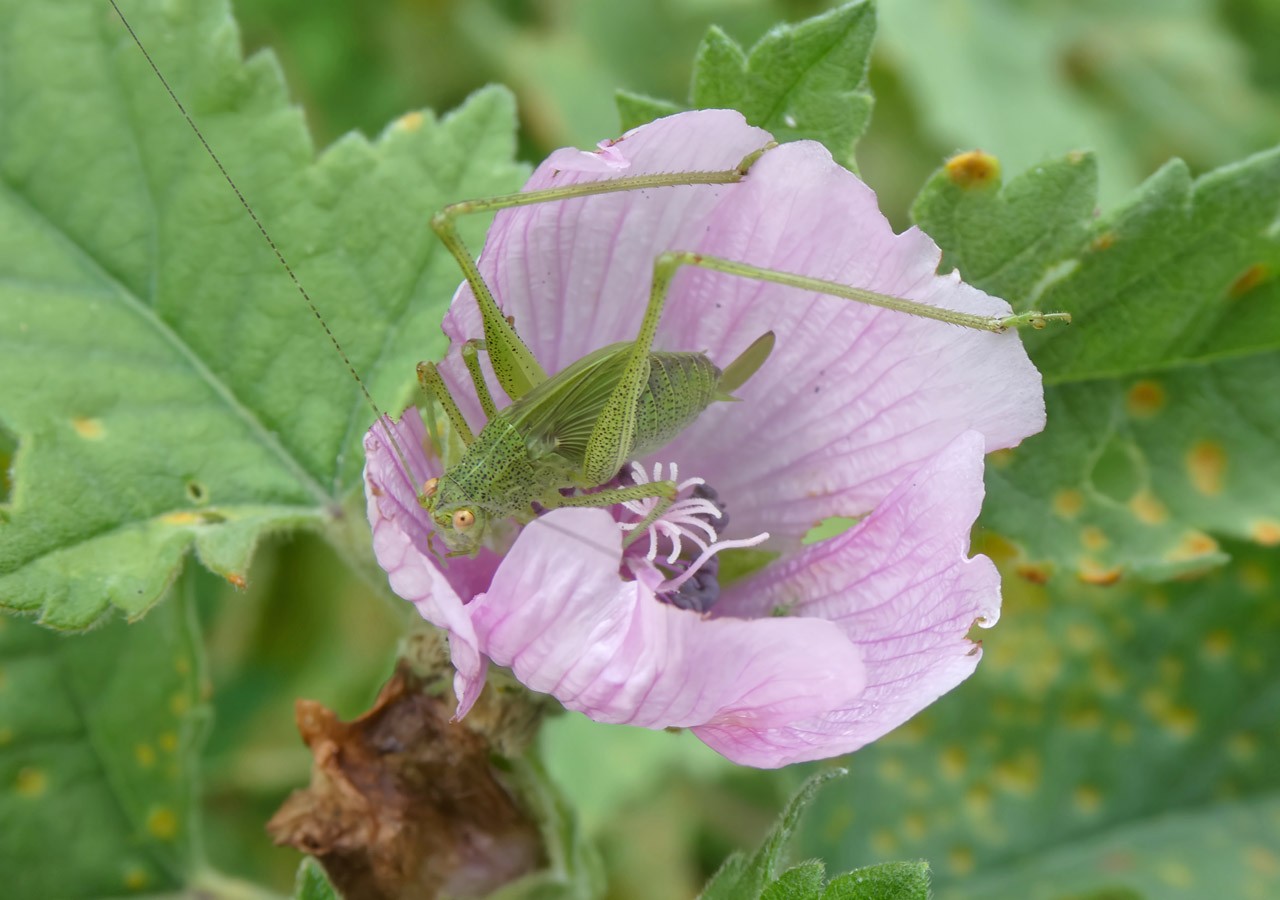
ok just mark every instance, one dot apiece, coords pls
pixel 670 261
pixel 514 364
pixel 663 491
pixel 471 359
pixel 431 382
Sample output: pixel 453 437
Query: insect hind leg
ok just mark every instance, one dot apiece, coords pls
pixel 670 261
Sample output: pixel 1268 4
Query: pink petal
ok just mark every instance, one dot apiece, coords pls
pixel 853 398
pixel 561 617
pixel 400 530
pixel 902 587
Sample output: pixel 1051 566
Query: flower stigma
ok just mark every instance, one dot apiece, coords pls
pixel 684 540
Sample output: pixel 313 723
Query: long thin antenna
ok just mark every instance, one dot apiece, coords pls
pixel 315 311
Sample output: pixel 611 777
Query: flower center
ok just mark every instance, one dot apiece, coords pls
pixel 683 542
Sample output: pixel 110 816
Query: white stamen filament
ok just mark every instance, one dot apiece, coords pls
pixel 682 520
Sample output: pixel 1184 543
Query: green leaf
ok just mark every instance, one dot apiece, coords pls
pixel 1160 424
pixel 887 881
pixel 168 389
pixel 802 81
pixel 1134 80
pixel 1093 709
pixel 312 883
pixel 741 876
pixel 635 110
pixel 1224 851
pixel 802 882
pixel 99 745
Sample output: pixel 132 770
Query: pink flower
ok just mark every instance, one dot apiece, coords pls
pixel 859 412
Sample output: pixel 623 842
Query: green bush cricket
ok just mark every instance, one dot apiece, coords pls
pixel 564 438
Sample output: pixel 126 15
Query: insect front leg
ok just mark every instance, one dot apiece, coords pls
pixel 471 359
pixel 431 382
pixel 663 491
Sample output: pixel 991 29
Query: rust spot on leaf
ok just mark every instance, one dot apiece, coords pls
pixel 1193 545
pixel 973 169
pixel 1036 573
pixel 410 121
pixel 1001 459
pixel 1093 537
pixel 1068 502
pixel 1266 532
pixel 1147 508
pixel 1145 399
pixel 1252 277
pixel 1207 465
pixel 1093 572
pixel 1104 241
pixel 89 429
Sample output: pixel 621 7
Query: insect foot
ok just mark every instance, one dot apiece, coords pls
pixel 856 410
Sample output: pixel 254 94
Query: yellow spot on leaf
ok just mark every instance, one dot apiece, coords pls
pixel 1090 571
pixel 1001 459
pixel 1104 241
pixel 953 763
pixel 1193 545
pixel 179 703
pixel 182 665
pixel 883 842
pixel 30 782
pixel 1068 502
pixel 89 429
pixel 1262 859
pixel 1217 644
pixel 891 769
pixel 961 860
pixel 1147 508
pixel 145 754
pixel 1252 277
pixel 136 878
pixel 169 741
pixel 1093 537
pixel 1020 775
pixel 977 801
pixel 162 823
pixel 1254 577
pixel 6 736
pixel 182 517
pixel 973 169
pixel 1105 677
pixel 1086 718
pixel 1175 873
pixel 1180 721
pixel 1146 398
pixel 1036 573
pixel 1207 465
pixel 1087 799
pixel 1266 532
pixel 1242 747
pixel 410 121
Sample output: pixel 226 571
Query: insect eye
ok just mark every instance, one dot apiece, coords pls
pixel 463 519
pixel 430 486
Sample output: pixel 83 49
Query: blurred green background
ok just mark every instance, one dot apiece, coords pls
pixel 1114 735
